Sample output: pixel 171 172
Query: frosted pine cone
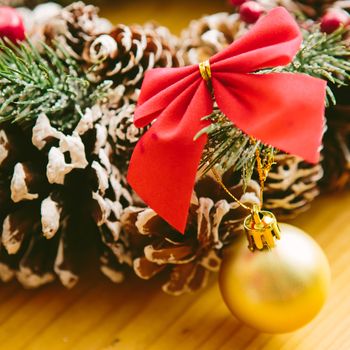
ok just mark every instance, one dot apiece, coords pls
pixel 124 134
pixel 126 53
pixel 121 54
pixel 291 186
pixel 210 34
pixel 186 261
pixel 55 190
pixel 75 25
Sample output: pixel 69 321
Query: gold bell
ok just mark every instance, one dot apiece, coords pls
pixel 261 229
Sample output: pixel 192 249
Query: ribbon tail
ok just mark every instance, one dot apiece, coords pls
pixel 280 109
pixel 164 164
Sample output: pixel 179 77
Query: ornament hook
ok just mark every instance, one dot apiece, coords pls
pixel 261 229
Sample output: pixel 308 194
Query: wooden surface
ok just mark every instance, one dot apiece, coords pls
pixel 98 315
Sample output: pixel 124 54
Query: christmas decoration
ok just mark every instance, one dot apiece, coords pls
pixel 211 34
pixel 166 91
pixel 334 19
pixel 236 2
pixel 67 106
pixel 277 290
pixel 186 261
pixel 234 145
pixel 11 24
pixel 250 11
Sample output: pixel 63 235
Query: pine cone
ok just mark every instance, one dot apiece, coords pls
pixel 336 151
pixel 35 20
pixel 126 53
pixel 315 8
pixel 210 34
pixel 185 261
pixel 124 134
pixel 121 54
pixel 291 186
pixel 56 190
pixel 74 26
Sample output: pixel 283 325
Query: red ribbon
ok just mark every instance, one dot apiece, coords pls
pixel 281 109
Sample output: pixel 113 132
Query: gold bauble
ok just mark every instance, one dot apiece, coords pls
pixel 277 290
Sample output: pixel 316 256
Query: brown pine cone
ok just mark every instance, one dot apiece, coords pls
pixel 121 54
pixel 210 34
pixel 124 134
pixel 336 151
pixel 75 25
pixel 185 261
pixel 126 53
pixel 56 190
pixel 291 186
pixel 315 8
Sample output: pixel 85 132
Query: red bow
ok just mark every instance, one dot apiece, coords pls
pixel 281 109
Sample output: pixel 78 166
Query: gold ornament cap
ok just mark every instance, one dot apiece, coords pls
pixel 261 228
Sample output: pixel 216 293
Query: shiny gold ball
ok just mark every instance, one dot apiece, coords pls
pixel 277 290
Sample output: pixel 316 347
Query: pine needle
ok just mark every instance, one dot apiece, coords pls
pixel 48 81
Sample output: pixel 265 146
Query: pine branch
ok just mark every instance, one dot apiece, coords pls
pixel 49 81
pixel 228 147
pixel 323 56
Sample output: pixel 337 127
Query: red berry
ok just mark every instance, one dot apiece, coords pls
pixel 333 19
pixel 250 11
pixel 11 24
pixel 236 3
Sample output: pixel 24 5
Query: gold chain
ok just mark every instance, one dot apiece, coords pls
pixel 263 169
pixel 218 179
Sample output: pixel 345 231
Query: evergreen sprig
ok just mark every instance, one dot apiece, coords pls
pixel 47 81
pixel 323 56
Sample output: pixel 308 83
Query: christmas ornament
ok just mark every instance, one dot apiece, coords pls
pixel 250 11
pixel 236 2
pixel 182 94
pixel 11 24
pixel 333 19
pixel 275 290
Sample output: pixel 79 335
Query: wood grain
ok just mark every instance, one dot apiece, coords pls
pixel 98 315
